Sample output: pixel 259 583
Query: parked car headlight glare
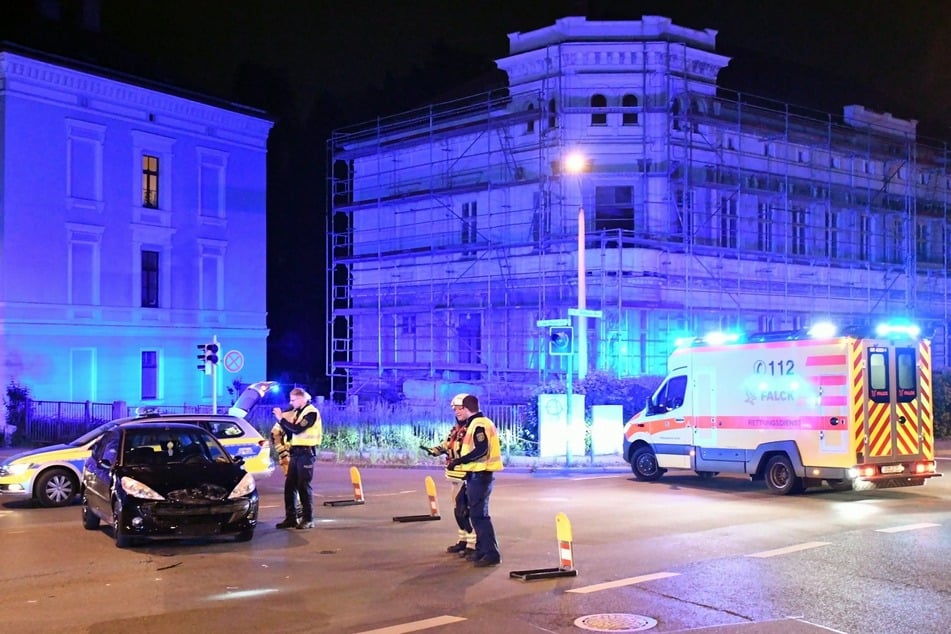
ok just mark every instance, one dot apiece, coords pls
pixel 136 489
pixel 244 487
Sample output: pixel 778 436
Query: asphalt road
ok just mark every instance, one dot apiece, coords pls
pixel 682 554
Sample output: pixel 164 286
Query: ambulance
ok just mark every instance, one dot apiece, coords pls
pixel 793 409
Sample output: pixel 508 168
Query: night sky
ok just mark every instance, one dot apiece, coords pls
pixel 319 65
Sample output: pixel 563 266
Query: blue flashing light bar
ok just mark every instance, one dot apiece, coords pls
pixel 891 329
pixel 823 330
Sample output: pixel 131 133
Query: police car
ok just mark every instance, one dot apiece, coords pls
pixel 51 475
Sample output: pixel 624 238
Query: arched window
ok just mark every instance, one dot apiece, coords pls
pixel 629 117
pixel 599 115
pixel 530 125
pixel 551 113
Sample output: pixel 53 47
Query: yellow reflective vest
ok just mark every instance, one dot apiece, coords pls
pixel 492 461
pixel 313 435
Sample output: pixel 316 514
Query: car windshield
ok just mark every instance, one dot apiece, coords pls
pixel 93 434
pixel 166 446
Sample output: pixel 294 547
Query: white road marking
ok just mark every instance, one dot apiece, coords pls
pixel 907 527
pixel 416 626
pixel 623 582
pixel 788 549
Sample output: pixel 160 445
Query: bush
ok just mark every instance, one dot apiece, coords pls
pixel 15 401
pixel 942 404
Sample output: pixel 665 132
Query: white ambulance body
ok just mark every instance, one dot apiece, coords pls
pixel 793 410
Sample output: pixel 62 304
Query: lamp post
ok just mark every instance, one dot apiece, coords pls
pixel 577 163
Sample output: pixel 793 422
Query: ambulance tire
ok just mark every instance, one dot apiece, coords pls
pixel 644 465
pixel 780 476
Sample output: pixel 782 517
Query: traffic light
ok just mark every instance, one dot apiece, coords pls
pixel 208 356
pixel 560 340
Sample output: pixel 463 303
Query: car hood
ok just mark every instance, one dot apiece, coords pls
pixel 31 453
pixel 187 483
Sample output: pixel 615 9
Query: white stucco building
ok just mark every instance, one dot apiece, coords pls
pixel 455 227
pixel 132 229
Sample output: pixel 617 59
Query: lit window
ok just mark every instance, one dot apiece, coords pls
pixel 150 181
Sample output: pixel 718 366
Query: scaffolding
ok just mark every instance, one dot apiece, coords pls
pixel 453 231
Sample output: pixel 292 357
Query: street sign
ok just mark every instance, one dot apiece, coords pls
pixel 234 361
pixel 583 312
pixel 544 323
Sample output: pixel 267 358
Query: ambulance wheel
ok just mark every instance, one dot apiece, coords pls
pixel 644 465
pixel 781 477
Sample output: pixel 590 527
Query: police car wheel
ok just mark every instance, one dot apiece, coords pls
pixel 56 487
pixel 644 465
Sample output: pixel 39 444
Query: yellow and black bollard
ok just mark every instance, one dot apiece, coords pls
pixel 433 507
pixel 357 491
pixel 566 556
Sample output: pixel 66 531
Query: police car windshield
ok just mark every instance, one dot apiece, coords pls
pixel 92 434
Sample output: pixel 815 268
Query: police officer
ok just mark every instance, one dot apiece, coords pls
pixel 452 448
pixel 305 429
pixel 481 458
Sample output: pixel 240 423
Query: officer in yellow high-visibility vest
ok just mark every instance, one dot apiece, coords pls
pixel 481 458
pixel 305 429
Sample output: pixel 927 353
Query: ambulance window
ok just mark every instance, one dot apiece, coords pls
pixel 878 376
pixel 671 395
pixel 907 373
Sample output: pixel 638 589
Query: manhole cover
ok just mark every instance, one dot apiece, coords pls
pixel 615 622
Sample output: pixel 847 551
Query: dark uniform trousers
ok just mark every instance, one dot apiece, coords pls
pixel 300 474
pixel 478 490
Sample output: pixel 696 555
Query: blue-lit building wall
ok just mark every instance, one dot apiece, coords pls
pixel 132 228
pixel 454 227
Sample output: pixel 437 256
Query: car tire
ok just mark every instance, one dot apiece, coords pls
pixel 123 539
pixel 56 487
pixel 644 465
pixel 781 478
pixel 90 519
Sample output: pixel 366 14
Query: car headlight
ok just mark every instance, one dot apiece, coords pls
pixel 17 468
pixel 136 489
pixel 244 487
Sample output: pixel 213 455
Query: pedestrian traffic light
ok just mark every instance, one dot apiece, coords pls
pixel 208 356
pixel 560 340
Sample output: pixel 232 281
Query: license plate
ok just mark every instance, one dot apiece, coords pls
pixel 893 468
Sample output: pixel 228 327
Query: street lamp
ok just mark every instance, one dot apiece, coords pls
pixel 577 163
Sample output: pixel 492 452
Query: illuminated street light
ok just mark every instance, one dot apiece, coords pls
pixel 577 163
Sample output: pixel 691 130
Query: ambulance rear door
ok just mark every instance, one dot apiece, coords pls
pixel 892 409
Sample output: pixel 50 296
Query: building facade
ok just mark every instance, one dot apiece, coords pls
pixel 132 229
pixel 457 228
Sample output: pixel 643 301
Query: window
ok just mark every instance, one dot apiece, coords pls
pixel 150 279
pixel 211 266
pixel 469 225
pixel 552 122
pixel 150 181
pixel 797 231
pixel 614 208
pixel 149 375
pixel 922 241
pixel 530 124
pixel 629 102
pixel 764 228
pixel 865 238
pixel 727 223
pixel 906 374
pixel 878 375
pixel 599 115
pixel 831 242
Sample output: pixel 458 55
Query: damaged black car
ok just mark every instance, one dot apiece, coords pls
pixel 166 480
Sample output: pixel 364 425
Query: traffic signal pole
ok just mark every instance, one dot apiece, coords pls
pixel 214 377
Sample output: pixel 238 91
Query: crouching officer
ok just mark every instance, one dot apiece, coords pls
pixel 305 429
